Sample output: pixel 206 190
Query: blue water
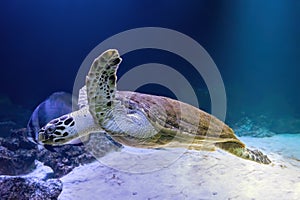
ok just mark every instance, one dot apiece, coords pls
pixel 286 145
pixel 254 44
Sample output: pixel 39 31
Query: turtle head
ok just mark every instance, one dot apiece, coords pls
pixel 58 131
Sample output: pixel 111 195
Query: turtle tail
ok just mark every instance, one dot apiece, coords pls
pixel 245 153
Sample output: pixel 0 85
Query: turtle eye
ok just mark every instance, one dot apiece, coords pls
pixel 50 129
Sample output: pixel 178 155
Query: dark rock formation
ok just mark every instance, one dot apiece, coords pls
pixel 17 154
pixel 65 158
pixel 29 188
pixel 14 163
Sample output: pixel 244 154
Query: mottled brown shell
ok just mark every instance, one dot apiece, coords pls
pixel 178 124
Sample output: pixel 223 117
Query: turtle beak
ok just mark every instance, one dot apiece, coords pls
pixel 44 140
pixel 42 136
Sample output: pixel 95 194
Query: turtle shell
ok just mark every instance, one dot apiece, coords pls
pixel 177 124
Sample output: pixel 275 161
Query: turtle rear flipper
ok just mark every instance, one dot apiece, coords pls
pixel 256 155
pixel 241 151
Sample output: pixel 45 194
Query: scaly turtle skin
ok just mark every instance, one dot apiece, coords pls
pixel 141 120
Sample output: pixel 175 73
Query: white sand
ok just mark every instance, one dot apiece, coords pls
pixel 195 175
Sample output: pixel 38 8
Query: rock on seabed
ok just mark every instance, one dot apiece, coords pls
pixel 29 188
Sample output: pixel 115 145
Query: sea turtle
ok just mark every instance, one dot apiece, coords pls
pixel 140 120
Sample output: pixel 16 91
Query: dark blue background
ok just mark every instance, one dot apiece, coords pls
pixel 255 45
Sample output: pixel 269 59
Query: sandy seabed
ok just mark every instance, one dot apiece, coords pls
pixel 190 174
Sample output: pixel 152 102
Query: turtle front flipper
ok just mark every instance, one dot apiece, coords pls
pixel 240 150
pixel 101 84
